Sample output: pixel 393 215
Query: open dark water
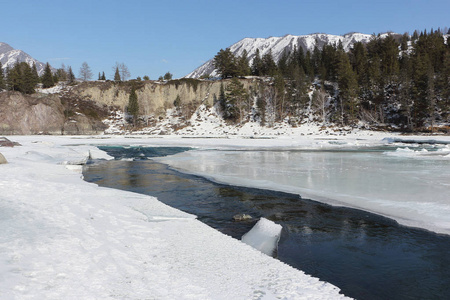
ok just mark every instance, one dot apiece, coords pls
pixel 367 256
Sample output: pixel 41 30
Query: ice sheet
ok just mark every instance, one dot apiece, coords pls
pixel 411 186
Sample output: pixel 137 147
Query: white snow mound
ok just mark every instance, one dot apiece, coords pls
pixel 264 236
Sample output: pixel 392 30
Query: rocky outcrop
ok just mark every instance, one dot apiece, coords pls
pixel 154 97
pixel 4 142
pixel 48 114
pixel 80 109
pixel 24 114
pixel 2 159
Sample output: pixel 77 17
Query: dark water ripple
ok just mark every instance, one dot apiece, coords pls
pixel 367 256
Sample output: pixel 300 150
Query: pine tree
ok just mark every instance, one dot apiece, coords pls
pixel 347 88
pixel 13 78
pixel 61 73
pixel 117 75
pixel 70 75
pixel 419 89
pixel 269 67
pixel 47 77
pixel 225 63
pixel 404 43
pixel 27 80
pixel 2 79
pixel 36 78
pixel 257 64
pixel 282 64
pixel 133 106
pixel 389 57
pixel 235 100
pixel 222 101
pixel 103 76
pixel 168 76
pixel 243 68
pixel 177 102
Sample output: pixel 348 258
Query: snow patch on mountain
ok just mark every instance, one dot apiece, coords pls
pixel 280 45
pixel 10 56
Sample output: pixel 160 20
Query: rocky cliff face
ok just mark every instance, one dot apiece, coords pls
pixel 23 114
pixel 45 114
pixel 154 97
pixel 80 109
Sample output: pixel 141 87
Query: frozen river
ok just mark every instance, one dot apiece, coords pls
pixel 410 185
pixel 367 256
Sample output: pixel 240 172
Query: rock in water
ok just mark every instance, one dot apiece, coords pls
pixel 2 159
pixel 242 217
pixel 264 236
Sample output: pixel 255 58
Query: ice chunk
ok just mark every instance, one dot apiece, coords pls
pixel 264 236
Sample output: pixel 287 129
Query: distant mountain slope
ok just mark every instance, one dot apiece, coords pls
pixel 9 56
pixel 278 45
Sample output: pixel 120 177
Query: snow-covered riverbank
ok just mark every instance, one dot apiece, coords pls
pixel 63 238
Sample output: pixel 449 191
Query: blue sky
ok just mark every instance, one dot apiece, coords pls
pixel 154 37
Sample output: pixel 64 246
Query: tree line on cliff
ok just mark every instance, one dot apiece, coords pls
pixel 395 79
pixel 24 78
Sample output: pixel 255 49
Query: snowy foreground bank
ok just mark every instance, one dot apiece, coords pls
pixel 63 238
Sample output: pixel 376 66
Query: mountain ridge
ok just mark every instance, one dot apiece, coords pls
pixel 9 56
pixel 278 45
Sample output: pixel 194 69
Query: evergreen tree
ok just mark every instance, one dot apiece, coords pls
pixel 316 58
pixel 168 76
pixel 177 102
pixel 347 88
pixel 257 64
pixel 225 63
pixel 70 75
pixel 309 70
pixel 27 80
pixel 236 97
pixel 419 89
pixel 2 79
pixel 36 78
pixel 404 43
pixel 389 57
pixel 117 75
pixel 269 67
pixel 47 77
pixel 443 87
pixel 55 78
pixel 222 101
pixel 146 77
pixel 103 76
pixel 133 106
pixel 13 80
pixel 283 64
pixel 280 96
pixel 243 67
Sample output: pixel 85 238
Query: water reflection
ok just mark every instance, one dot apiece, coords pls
pixel 367 256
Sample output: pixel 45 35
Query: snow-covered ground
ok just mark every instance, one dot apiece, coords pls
pixel 63 238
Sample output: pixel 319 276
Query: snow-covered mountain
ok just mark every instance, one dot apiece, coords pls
pixel 9 56
pixel 278 45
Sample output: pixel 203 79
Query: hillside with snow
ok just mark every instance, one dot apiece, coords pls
pixel 10 56
pixel 279 45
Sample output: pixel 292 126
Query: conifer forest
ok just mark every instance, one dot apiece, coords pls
pixel 396 80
